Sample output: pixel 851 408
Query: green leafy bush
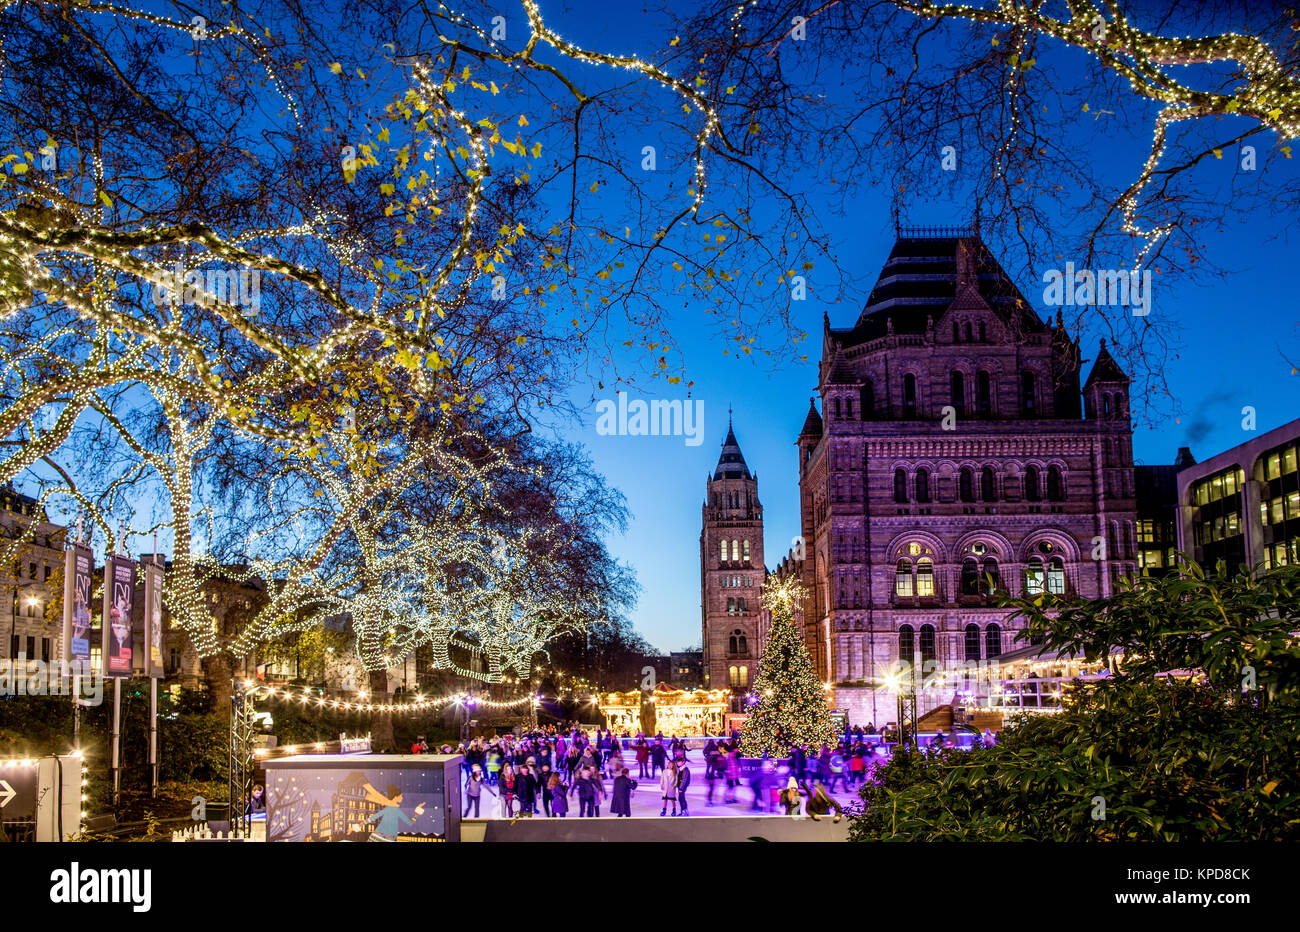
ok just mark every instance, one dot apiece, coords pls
pixel 1141 755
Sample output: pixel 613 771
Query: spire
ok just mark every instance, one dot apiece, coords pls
pixel 1105 369
pixel 812 425
pixel 731 464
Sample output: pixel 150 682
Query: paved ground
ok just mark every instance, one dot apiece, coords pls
pixel 647 798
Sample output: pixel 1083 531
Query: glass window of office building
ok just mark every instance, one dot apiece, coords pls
pixel 1279 504
pixel 1217 530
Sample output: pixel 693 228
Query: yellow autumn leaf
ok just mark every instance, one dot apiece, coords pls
pixel 336 68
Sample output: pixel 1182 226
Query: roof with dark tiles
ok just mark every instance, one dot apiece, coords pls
pixel 920 281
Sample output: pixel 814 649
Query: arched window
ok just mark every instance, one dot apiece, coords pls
pixel 988 485
pixel 723 555
pixel 735 551
pixel 1055 487
pixel 924 577
pixel 967 331
pixel 733 676
pixel 848 408
pixel 744 676
pixel 906 645
pixel 957 391
pixel 1056 576
pixel 1105 405
pixel 993 641
pixel 923 485
pixel 972 642
pixel 900 485
pixel 738 643
pixel 903 578
pixel 956 332
pixel 970 577
pixel 983 333
pixel 1028 400
pixel 909 395
pixel 746 551
pixel 927 643
pixel 966 484
pixel 1032 492
pixel 1035 578
pixel 983 393
pixel 836 404
pixel 867 400
pixel 991 577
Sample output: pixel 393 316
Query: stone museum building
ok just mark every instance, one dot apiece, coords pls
pixel 953 450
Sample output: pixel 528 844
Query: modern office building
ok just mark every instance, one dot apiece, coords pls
pixel 1243 505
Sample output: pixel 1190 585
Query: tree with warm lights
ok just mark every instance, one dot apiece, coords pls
pixel 791 707
pixel 1025 101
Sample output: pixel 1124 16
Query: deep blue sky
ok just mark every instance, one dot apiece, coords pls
pixel 1229 331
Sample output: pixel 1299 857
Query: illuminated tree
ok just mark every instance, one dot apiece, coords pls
pixel 791 705
pixel 1013 114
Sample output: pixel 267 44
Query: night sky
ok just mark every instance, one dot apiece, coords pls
pixel 1228 334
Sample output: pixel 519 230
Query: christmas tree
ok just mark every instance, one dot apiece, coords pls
pixel 791 706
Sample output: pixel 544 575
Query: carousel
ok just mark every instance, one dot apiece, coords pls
pixel 666 710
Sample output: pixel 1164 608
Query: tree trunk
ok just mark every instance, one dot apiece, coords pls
pixel 216 670
pixel 381 724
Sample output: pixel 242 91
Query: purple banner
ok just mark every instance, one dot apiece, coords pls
pixel 78 573
pixel 119 600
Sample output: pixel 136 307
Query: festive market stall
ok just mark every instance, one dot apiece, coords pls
pixel 1031 679
pixel 676 711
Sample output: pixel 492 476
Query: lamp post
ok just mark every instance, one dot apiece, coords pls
pixel 13 628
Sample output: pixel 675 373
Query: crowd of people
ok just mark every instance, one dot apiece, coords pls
pixel 545 769
pixel 542 772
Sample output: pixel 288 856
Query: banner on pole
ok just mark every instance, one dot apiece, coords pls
pixel 119 601
pixel 153 618
pixel 78 573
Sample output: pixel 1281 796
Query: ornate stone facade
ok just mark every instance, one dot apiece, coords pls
pixel 952 444
pixel 731 573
